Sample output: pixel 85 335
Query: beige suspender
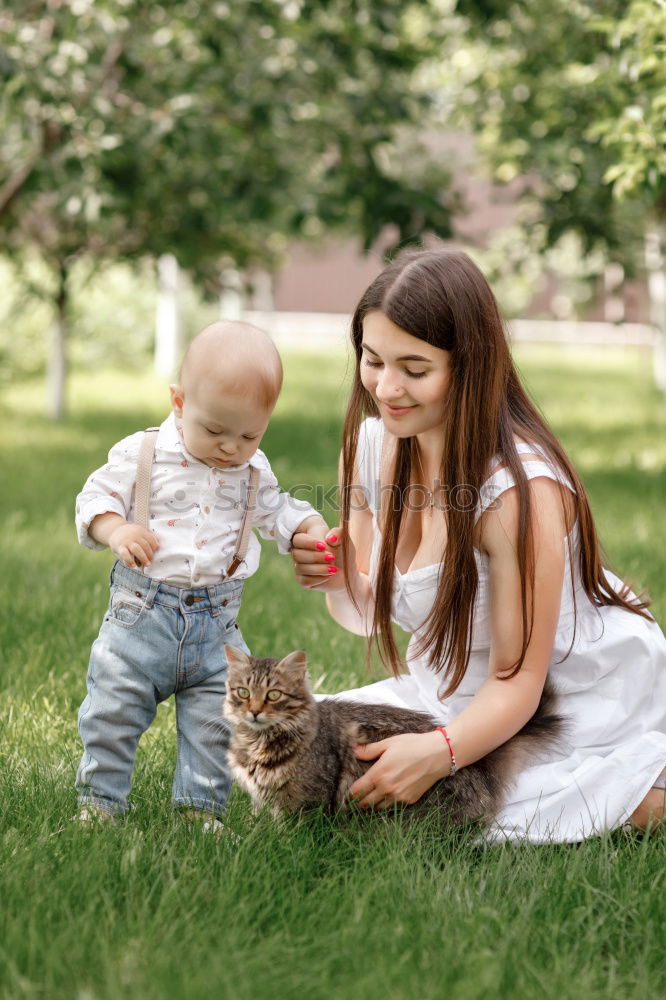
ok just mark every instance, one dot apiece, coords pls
pixel 246 523
pixel 144 468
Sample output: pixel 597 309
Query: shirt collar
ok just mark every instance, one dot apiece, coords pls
pixel 170 438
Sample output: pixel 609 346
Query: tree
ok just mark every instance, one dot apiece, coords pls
pixel 212 131
pixel 56 125
pixel 572 100
pixel 636 139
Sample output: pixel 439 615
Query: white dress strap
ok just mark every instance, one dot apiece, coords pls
pixel 502 478
pixel 368 459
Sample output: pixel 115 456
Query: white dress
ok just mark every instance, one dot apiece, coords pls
pixel 611 686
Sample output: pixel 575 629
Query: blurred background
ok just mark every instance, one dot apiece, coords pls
pixel 164 164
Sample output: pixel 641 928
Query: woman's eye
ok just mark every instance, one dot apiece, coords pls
pixel 273 695
pixel 243 693
pixel 380 364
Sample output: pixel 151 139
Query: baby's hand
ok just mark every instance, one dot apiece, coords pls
pixel 315 526
pixel 133 544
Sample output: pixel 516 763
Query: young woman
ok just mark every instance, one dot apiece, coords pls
pixel 464 521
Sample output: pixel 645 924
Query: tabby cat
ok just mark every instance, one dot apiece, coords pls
pixel 292 752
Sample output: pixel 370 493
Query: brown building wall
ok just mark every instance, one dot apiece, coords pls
pixel 331 277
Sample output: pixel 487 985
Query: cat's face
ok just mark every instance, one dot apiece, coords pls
pixel 265 692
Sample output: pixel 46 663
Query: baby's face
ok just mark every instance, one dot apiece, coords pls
pixel 219 428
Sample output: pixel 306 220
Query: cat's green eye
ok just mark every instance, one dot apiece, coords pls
pixel 242 693
pixel 273 695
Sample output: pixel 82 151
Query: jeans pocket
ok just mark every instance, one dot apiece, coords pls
pixel 126 607
pixel 228 626
pixel 228 631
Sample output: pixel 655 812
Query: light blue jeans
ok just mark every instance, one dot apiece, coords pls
pixel 157 640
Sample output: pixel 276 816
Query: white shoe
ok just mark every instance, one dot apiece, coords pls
pixel 89 815
pixel 213 826
pixel 219 829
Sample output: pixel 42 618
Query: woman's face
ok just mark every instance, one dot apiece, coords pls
pixel 407 378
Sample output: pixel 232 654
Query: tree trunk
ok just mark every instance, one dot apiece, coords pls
pixel 231 297
pixel 168 324
pixel 655 259
pixel 57 366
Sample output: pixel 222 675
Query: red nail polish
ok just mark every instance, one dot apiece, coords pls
pixel 329 557
pixel 332 539
pixel 321 546
pixel 332 569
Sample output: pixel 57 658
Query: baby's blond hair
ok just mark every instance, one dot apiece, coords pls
pixel 242 356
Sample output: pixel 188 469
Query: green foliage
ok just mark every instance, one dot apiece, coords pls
pixel 518 264
pixel 571 101
pixel 213 130
pixel 636 137
pixel 111 314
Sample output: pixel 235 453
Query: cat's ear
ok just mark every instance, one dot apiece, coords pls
pixel 236 657
pixel 295 662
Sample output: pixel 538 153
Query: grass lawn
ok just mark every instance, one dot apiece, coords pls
pixel 307 910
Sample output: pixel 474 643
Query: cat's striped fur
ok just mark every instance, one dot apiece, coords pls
pixel 296 753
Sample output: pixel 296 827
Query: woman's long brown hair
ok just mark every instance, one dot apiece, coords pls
pixel 441 297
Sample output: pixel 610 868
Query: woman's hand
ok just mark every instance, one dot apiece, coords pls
pixel 407 766
pixel 318 564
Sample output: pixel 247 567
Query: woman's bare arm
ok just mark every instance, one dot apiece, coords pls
pixel 409 764
pixel 312 565
pixel 501 707
pixel 341 608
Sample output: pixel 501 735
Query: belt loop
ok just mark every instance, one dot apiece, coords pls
pixel 153 587
pixel 212 597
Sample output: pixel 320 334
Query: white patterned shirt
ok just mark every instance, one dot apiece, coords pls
pixel 195 510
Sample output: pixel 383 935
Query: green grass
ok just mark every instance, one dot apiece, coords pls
pixel 303 910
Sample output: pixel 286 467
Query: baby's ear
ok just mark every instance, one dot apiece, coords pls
pixel 296 662
pixel 236 657
pixel 177 398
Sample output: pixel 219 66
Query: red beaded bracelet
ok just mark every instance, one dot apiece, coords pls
pixel 454 766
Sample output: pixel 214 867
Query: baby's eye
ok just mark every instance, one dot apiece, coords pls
pixel 210 431
pixel 274 695
pixel 250 437
pixel 242 693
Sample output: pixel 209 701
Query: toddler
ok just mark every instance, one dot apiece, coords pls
pixel 177 583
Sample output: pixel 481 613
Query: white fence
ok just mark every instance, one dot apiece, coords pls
pixel 331 330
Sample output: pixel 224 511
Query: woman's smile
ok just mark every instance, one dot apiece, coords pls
pixel 397 411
